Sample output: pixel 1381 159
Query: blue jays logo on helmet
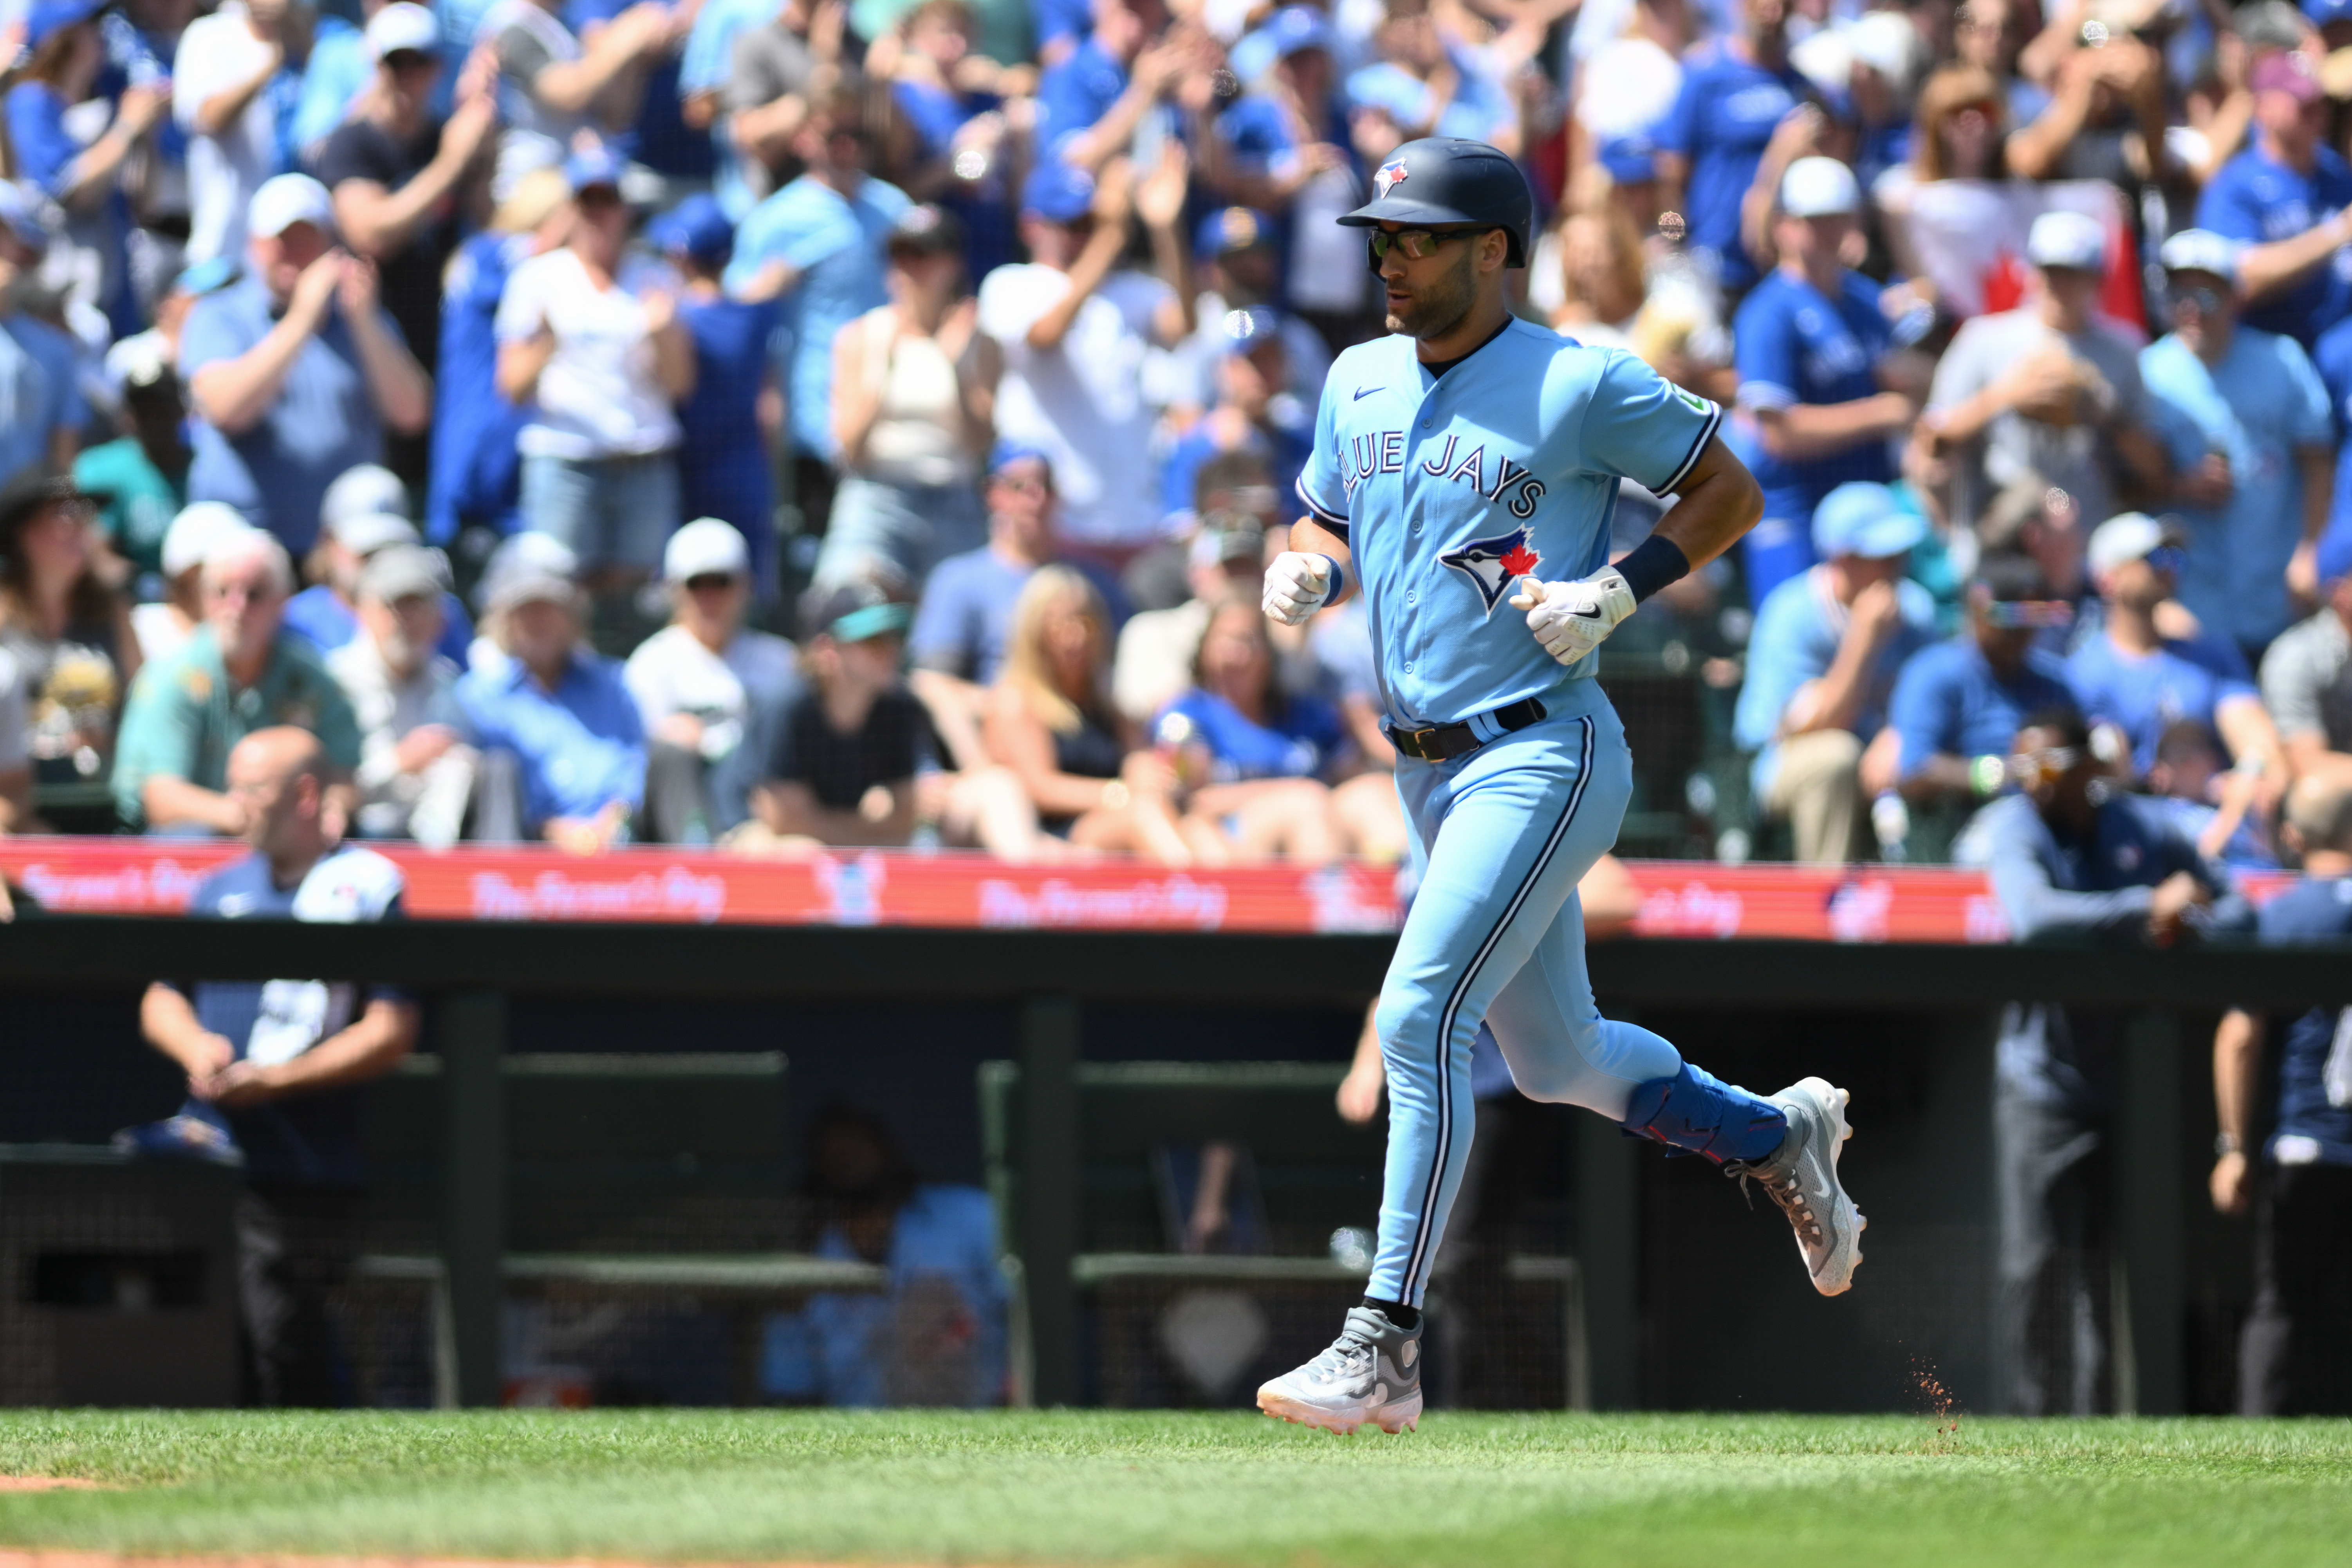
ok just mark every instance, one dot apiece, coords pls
pixel 1390 175
pixel 1492 565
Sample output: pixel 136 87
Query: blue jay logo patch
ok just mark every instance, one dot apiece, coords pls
pixel 1494 564
pixel 1388 177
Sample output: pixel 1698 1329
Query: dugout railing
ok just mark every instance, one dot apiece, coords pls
pixel 468 972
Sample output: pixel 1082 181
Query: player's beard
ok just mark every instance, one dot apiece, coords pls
pixel 1439 307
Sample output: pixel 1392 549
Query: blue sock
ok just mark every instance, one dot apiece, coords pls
pixel 1695 1111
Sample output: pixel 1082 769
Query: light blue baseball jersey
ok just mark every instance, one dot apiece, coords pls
pixel 1451 488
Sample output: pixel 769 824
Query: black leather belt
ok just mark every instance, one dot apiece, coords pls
pixel 1443 742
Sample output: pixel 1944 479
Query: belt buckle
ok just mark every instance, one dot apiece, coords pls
pixel 1420 743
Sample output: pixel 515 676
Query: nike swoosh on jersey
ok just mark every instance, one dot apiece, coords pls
pixel 1362 392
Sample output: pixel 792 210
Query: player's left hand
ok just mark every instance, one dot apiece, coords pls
pixel 1571 619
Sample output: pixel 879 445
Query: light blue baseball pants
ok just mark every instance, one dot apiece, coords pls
pixel 1503 837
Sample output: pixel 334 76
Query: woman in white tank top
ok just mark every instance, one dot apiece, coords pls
pixel 911 389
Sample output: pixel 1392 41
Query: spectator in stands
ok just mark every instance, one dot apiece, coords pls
pixel 966 620
pixel 1253 410
pixel 1074 327
pixel 726 466
pixel 164 627
pixel 2285 199
pixel 1813 343
pixel 558 85
pixel 1237 262
pixel 1261 764
pixel 937 1337
pixel 365 511
pixel 397 174
pixel 767 94
pixel 275 1068
pixel 2212 802
pixel 84 174
pixel 2307 677
pixel 564 751
pixel 2070 855
pixel 67 630
pixel 589 337
pixel 1737 93
pixel 140 478
pixel 1424 84
pixel 1091 105
pixel 1049 720
pixel 46 411
pixel 2130 675
pixel 240 671
pixel 1957 705
pixel 2290 1361
pixel 415 774
pixel 819 247
pixel 839 767
pixel 1822 662
pixel 2251 439
pixel 959 123
pixel 913 382
pixel 700 684
pixel 476 477
pixel 1157 648
pixel 2034 519
pixel 235 77
pixel 295 371
pixel 2051 388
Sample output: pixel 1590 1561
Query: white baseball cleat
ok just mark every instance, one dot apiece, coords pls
pixel 1801 1176
pixel 1371 1373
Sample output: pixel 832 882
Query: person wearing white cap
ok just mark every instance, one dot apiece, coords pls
pixel 700 681
pixel 163 628
pixel 415 773
pixel 296 371
pixel 2052 387
pixel 232 77
pixel 1811 351
pixel 2252 440
pixel 2130 675
pixel 395 171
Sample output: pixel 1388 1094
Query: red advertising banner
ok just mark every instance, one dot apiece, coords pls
pixel 873 886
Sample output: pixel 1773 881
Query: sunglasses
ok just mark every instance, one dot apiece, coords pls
pixel 2167 558
pixel 2036 615
pixel 2207 301
pixel 709 582
pixel 1418 244
pixel 2049 764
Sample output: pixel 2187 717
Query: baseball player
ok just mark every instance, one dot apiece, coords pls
pixel 1462 477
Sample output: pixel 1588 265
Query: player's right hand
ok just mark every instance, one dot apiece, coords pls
pixel 1296 585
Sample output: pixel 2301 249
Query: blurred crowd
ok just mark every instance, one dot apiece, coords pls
pixel 767 425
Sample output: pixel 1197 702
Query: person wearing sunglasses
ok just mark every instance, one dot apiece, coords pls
pixel 2071 855
pixel 2131 676
pixel 1956 705
pixel 2253 443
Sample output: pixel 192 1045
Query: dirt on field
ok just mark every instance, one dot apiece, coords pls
pixel 289 1559
pixel 47 1484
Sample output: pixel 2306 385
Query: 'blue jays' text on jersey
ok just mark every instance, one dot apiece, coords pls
pixel 1451 488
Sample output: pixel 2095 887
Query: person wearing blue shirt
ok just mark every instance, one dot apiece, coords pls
pixel 957 142
pixel 2252 438
pixel 276 1069
pixel 2287 198
pixel 1823 659
pixel 42 413
pixel 2130 675
pixel 723 466
pixel 1809 341
pixel 937 1335
pixel 67 54
pixel 1090 105
pixel 2290 1359
pixel 1255 411
pixel 817 246
pixel 562 720
pixel 703 69
pixel 1956 706
pixel 1735 94
pixel 2072 856
pixel 296 371
pixel 350 535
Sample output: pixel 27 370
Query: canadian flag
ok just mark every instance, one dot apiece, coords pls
pixel 1968 239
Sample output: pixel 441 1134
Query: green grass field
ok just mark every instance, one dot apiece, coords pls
pixel 1742 1491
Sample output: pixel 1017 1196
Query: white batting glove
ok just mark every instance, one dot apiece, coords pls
pixel 1571 619
pixel 1296 585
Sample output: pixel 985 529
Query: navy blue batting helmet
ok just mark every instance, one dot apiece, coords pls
pixel 1452 180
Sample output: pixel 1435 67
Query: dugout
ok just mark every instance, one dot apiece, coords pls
pixel 1689 1300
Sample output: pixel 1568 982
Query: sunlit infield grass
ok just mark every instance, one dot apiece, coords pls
pixel 1101 1486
